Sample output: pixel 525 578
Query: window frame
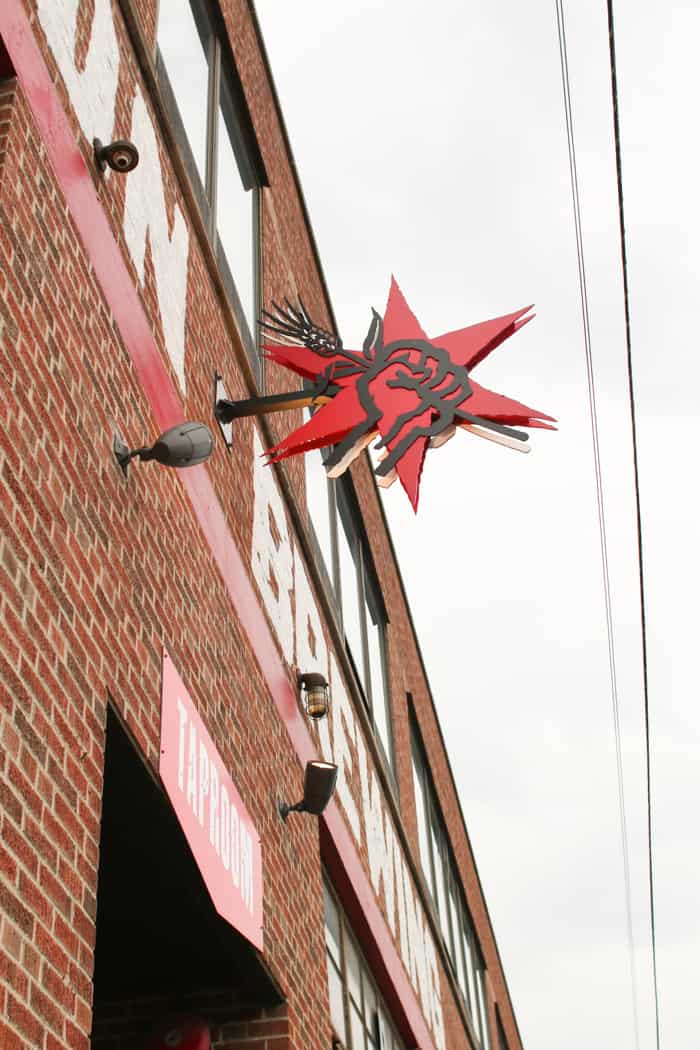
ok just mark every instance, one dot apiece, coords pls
pixel 221 68
pixel 365 579
pixel 343 507
pixel 374 1022
pixel 461 944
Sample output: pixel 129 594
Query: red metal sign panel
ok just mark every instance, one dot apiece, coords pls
pixel 404 388
pixel 217 825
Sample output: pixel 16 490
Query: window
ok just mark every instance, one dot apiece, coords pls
pixel 200 88
pixel 359 1016
pixel 349 586
pixel 482 1009
pixel 363 615
pixel 335 524
pixel 320 508
pixel 470 962
pixel 376 660
pixel 444 884
pixel 422 816
pixel 236 209
pixel 185 44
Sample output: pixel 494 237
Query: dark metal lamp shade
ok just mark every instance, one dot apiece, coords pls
pixel 184 445
pixel 319 785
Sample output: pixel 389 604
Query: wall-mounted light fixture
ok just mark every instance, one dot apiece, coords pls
pixel 319 785
pixel 121 156
pixel 184 445
pixel 315 694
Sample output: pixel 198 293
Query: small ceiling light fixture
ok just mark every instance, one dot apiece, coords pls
pixel 184 445
pixel 319 785
pixel 315 693
pixel 121 156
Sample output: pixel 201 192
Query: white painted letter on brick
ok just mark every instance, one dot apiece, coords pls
pixel 145 217
pixel 344 734
pixel 311 649
pixel 271 556
pixel 92 90
pixel 335 735
pixel 379 833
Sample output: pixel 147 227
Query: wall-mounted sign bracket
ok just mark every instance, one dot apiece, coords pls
pixel 226 411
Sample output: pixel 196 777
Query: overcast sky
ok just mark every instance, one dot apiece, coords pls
pixel 430 142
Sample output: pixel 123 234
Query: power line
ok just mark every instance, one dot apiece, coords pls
pixel 583 287
pixel 635 460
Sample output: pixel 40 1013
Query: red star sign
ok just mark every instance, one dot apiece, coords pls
pixel 409 390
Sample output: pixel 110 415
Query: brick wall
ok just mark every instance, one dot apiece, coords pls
pixel 136 1023
pixel 97 572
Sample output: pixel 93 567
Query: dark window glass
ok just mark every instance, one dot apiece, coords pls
pixel 348 568
pixel 444 884
pixel 422 817
pixel 468 944
pixel 199 73
pixel 482 1010
pixel 235 208
pixel 376 640
pixel 439 870
pixel 349 563
pixel 364 620
pixel 457 940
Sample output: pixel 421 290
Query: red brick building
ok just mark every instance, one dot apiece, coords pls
pixel 152 622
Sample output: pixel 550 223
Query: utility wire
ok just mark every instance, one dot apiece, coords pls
pixel 583 287
pixel 640 549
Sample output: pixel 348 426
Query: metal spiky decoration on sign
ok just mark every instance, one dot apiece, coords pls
pixel 408 390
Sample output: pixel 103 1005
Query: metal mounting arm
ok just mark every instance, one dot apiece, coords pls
pixel 226 411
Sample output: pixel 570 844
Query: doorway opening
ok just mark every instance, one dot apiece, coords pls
pixel 162 951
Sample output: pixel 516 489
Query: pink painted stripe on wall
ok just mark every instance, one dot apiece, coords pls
pixel 121 296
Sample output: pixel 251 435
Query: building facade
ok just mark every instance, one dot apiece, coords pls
pixel 153 621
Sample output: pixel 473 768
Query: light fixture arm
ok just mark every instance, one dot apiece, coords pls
pixel 285 809
pixel 319 785
pixel 124 455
